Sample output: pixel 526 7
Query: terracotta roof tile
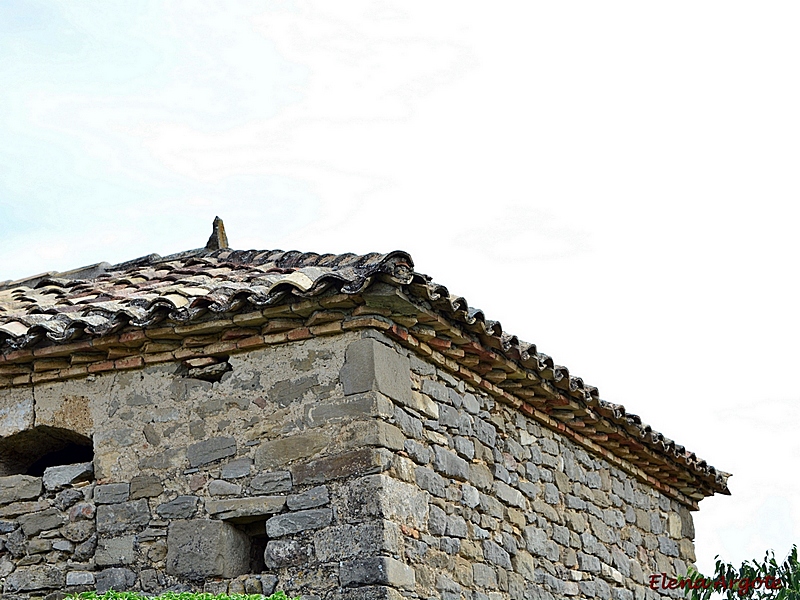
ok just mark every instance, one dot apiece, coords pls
pixel 101 299
pixel 61 306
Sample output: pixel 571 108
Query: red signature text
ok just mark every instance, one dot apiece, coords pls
pixel 741 586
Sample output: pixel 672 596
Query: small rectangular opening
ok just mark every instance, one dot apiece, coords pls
pixel 256 531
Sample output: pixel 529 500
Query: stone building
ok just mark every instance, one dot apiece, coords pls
pixel 336 426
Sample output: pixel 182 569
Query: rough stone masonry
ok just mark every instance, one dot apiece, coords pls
pixel 345 463
pixel 338 463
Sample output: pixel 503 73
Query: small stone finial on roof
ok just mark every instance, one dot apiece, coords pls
pixel 218 239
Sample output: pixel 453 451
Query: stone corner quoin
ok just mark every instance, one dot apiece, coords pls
pixel 341 466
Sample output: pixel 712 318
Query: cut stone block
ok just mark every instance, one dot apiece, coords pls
pixel 218 487
pixel 80 578
pixel 316 496
pixel 237 468
pixel 348 464
pixel 303 520
pixel 181 507
pixel 111 493
pixel 199 549
pixel 244 509
pixel 116 578
pixel 370 365
pixel 450 463
pixel 377 570
pixel 371 592
pixel 14 488
pixel 285 553
pixel 351 408
pixel 119 518
pixel 343 542
pixel 16 411
pixel 382 497
pixel 67 498
pixel 114 551
pixel 374 433
pixel 36 577
pixel 55 478
pixel 210 450
pixel 282 451
pixel 424 405
pixel 272 483
pixel 41 521
pixel 145 486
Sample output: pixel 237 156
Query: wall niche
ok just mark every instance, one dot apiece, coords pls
pixel 32 451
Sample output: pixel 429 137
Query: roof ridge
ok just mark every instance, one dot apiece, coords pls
pixel 61 308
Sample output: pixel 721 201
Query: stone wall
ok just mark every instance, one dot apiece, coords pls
pixel 518 509
pixel 336 468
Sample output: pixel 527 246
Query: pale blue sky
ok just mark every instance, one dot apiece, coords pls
pixel 82 85
pixel 615 182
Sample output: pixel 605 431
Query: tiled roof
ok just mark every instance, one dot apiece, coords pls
pixel 102 298
pixel 193 286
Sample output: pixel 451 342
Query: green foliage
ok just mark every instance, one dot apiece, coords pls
pixel 174 596
pixel 752 579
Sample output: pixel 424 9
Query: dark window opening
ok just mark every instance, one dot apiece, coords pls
pixel 31 451
pixel 257 532
pixel 70 454
pixel 206 368
pixel 258 545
